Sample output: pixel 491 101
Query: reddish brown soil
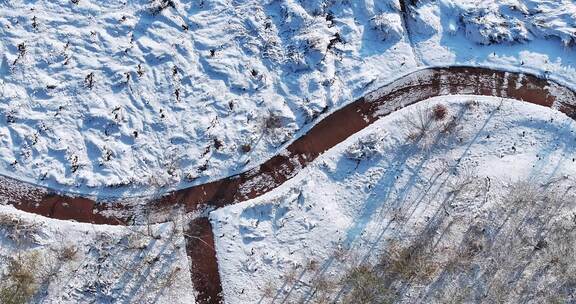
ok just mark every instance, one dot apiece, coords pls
pixel 204 265
pixel 327 133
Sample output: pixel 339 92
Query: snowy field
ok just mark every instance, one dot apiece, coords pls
pixel 164 93
pixel 52 261
pixel 115 97
pixel 529 35
pixel 389 185
pixel 144 94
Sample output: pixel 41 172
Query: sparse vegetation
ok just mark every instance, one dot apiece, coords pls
pixel 523 239
pixel 18 230
pixel 271 122
pixel 410 263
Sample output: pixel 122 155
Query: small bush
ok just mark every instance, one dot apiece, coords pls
pixel 439 112
pixel 269 291
pixel 420 121
pixel 245 148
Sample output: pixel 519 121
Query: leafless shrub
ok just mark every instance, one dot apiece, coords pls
pixel 312 265
pixel 21 52
pixel 464 189
pixel 269 290
pixel 291 276
pixel 472 246
pixel 559 250
pixel 426 126
pixel 419 122
pixel 323 288
pixel 89 80
pixel 340 254
pixel 439 112
pixel 521 194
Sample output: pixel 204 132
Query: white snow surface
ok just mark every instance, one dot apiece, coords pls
pixel 110 264
pixel 170 92
pixel 529 35
pixel 350 196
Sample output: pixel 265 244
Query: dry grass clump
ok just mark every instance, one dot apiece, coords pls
pixel 411 263
pixel 366 285
pixel 401 264
pixel 21 281
pixel 68 253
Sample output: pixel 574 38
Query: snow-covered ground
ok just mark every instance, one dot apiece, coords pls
pixel 529 35
pixel 387 184
pixel 153 93
pixel 169 92
pixel 66 262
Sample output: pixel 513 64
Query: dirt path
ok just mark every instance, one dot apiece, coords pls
pixel 327 133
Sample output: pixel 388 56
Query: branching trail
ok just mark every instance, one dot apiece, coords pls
pixel 327 133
